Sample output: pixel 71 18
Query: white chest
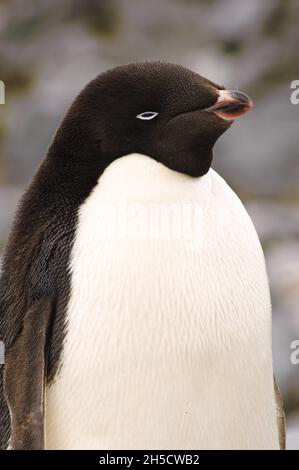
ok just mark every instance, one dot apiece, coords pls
pixel 169 320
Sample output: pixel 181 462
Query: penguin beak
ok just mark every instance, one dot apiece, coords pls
pixel 230 104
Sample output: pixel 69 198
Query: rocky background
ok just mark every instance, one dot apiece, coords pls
pixel 49 49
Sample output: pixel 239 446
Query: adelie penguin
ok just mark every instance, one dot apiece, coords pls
pixel 120 341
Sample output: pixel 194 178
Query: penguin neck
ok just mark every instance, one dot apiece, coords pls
pixel 139 177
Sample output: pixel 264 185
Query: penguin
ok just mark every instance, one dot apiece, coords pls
pixel 134 299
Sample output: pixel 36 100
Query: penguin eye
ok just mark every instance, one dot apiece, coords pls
pixel 147 115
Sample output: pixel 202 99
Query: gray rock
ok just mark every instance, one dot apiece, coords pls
pixel 293 432
pixel 9 197
pixel 274 219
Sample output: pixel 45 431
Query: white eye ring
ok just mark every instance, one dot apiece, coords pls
pixel 147 115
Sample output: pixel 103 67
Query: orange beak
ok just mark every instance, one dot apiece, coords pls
pixel 231 104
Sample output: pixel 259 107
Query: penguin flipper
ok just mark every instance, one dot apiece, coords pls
pixel 280 416
pixel 24 380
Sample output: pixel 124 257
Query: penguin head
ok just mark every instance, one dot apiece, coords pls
pixel 162 110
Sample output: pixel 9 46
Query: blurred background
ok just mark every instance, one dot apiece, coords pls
pixel 50 49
